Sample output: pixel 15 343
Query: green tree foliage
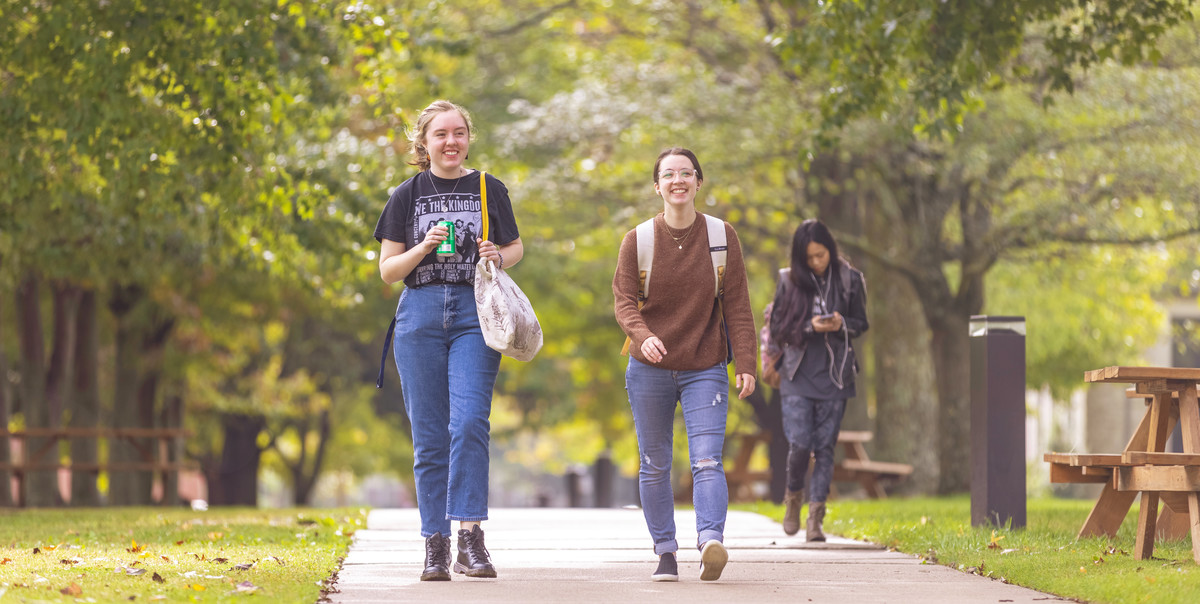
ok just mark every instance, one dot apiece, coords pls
pixel 934 55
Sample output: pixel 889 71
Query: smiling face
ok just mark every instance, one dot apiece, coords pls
pixel 678 181
pixel 447 141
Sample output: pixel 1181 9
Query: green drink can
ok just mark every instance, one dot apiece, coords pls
pixel 447 247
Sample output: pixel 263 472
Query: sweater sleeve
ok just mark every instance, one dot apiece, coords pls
pixel 625 302
pixel 739 315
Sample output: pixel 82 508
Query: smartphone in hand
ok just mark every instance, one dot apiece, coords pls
pixel 825 317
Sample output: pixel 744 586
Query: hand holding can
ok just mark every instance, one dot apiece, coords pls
pixel 447 247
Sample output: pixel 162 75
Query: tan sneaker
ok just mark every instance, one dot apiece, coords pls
pixel 712 560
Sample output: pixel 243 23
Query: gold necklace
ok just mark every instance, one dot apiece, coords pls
pixel 679 240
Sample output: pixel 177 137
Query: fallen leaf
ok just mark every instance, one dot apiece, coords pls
pixel 180 542
pixel 135 548
pixel 73 590
pixel 220 560
pixel 276 559
pixel 51 548
pixel 166 558
pixel 995 541
pixel 213 536
pixel 5 561
pixel 244 566
pixel 135 571
pixel 158 578
pixel 246 586
pixel 197 587
pixel 36 551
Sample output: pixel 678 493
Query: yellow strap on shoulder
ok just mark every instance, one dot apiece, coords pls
pixel 483 202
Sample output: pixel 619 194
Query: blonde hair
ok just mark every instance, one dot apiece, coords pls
pixel 416 136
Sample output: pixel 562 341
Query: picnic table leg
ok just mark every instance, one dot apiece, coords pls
pixel 1108 513
pixel 1194 524
pixel 1144 548
pixel 1172 525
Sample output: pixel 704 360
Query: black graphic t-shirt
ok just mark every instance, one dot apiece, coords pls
pixel 422 201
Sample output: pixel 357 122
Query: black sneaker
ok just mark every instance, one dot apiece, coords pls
pixel 437 558
pixel 713 557
pixel 473 558
pixel 667 569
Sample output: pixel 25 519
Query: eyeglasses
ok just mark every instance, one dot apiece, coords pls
pixel 670 174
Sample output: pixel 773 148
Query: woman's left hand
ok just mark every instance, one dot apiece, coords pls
pixel 489 251
pixel 745 381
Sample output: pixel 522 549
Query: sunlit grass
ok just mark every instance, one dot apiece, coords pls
pixel 1045 555
pixel 171 555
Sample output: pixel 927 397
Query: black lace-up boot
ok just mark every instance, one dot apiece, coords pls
pixel 437 558
pixel 473 558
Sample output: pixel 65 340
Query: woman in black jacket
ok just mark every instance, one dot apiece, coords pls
pixel 820 305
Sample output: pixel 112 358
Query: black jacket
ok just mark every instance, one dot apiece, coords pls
pixel 851 302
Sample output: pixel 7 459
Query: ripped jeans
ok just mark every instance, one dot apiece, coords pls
pixel 703 395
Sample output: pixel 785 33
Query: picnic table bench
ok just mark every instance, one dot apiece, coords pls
pixel 150 443
pixel 1143 466
pixel 854 466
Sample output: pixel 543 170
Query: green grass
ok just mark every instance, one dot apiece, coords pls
pixel 171 555
pixel 1045 555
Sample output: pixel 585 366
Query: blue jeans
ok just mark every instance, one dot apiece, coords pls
pixel 703 395
pixel 811 427
pixel 447 374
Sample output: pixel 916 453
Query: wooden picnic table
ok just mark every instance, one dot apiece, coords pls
pixel 151 445
pixel 1144 466
pixel 853 466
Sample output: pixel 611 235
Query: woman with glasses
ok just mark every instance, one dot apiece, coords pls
pixel 682 330
pixel 820 305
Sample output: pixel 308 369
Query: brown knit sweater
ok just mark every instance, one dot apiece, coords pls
pixel 680 308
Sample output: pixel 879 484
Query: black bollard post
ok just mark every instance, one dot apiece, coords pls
pixel 997 421
pixel 604 472
pixel 574 479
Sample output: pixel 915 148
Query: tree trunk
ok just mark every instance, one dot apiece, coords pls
pixel 84 405
pixel 122 488
pixel 906 404
pixel 172 417
pixel 236 482
pixel 154 341
pixel 305 481
pixel 952 362
pixel 768 414
pixel 6 491
pixel 58 374
pixel 41 485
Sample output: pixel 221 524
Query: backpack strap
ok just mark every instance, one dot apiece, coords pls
pixel 718 248
pixel 645 259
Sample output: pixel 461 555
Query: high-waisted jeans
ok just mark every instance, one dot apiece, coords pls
pixel 447 374
pixel 704 397
pixel 811 427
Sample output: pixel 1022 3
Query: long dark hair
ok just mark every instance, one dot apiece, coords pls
pixel 788 315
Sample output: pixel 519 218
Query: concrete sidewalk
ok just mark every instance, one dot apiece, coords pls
pixel 605 555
